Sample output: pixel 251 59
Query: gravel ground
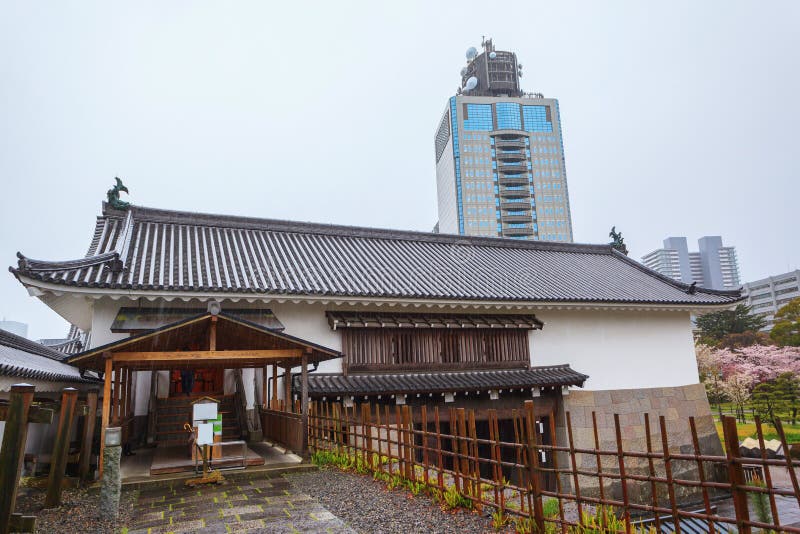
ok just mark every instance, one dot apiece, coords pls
pixel 369 507
pixel 78 511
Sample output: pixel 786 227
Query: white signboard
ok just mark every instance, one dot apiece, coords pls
pixel 203 411
pixel 205 434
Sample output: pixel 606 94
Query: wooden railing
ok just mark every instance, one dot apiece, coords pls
pixel 284 428
pixel 518 477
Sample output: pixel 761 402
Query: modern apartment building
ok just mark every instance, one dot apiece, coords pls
pixel 500 157
pixel 713 266
pixel 768 295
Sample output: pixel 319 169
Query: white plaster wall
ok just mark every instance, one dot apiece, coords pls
pixel 104 311
pixel 618 349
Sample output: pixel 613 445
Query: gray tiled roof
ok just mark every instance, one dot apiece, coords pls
pixel 149 249
pixel 26 359
pixel 440 382
pixel 73 343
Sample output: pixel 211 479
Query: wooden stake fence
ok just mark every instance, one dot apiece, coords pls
pixel 403 444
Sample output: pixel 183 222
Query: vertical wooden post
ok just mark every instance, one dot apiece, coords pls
pixel 454 446
pixel 13 450
pixel 264 386
pixel 439 459
pixel 701 472
pixel 476 465
pixel 131 392
pixel 58 460
pixel 408 426
pixel 212 333
pixel 597 456
pixel 401 440
pixel 466 479
pixel 574 462
pixel 366 416
pixel 274 403
pixel 106 408
pixel 651 465
pixel 424 427
pixel 380 440
pixel 117 392
pixel 623 481
pixel 88 436
pixel 126 404
pixel 287 386
pixel 736 474
pixel 388 440
pixel 676 520
pixel 533 467
pixel 151 408
pixel 494 449
pixel 304 398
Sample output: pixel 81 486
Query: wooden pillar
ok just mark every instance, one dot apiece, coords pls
pixel 13 451
pixel 117 390
pixel 264 386
pixel 58 460
pixel 129 393
pixel 106 408
pixel 304 399
pixel 212 334
pixel 274 404
pixel 287 385
pixel 88 436
pixel 123 399
pixel 128 408
pixel 151 408
pixel 735 473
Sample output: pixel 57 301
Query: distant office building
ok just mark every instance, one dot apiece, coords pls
pixel 15 327
pixel 713 266
pixel 500 157
pixel 768 295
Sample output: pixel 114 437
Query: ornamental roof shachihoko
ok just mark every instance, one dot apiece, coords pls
pixel 147 249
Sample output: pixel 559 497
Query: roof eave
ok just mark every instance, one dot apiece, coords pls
pixel 134 294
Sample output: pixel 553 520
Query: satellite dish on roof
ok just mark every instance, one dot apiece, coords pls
pixel 472 52
pixel 464 71
pixel 492 55
pixel 471 84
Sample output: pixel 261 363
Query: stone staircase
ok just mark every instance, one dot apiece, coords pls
pixel 173 412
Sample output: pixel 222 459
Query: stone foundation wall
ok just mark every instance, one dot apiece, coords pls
pixel 676 404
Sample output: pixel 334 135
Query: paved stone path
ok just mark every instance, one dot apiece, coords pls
pixel 245 503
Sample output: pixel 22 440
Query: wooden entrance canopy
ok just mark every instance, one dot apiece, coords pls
pixel 204 340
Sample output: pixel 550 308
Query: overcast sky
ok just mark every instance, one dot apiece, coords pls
pixel 680 119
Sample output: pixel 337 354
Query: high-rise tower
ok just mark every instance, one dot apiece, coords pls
pixel 500 157
pixel 712 267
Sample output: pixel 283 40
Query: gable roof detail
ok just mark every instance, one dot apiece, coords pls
pixel 145 249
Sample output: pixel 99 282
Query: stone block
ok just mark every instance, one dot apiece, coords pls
pixel 602 398
pixel 621 396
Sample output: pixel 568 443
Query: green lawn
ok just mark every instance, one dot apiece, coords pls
pixel 749 430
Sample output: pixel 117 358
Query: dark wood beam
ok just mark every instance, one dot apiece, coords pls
pixel 36 414
pixel 206 355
